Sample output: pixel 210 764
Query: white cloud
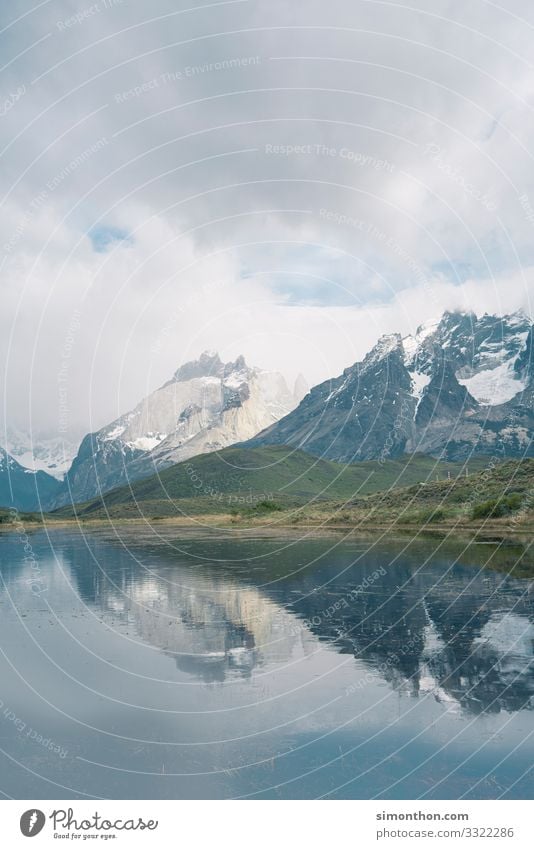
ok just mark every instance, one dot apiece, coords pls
pixel 412 128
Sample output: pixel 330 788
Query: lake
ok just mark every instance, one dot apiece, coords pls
pixel 140 663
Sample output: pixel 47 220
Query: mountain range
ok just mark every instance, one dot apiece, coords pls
pixel 25 489
pixel 461 386
pixel 41 452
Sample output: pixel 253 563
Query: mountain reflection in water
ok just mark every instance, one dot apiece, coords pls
pixel 464 635
pixel 216 667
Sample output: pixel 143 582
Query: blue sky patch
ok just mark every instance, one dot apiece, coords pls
pixel 103 238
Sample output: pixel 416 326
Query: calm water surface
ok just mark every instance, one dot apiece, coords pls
pixel 213 667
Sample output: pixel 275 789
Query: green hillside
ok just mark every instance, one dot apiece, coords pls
pixel 501 491
pixel 265 479
pixel 500 496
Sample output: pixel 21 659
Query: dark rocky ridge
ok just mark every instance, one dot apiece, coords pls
pixel 408 395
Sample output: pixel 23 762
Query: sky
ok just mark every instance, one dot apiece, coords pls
pixel 286 180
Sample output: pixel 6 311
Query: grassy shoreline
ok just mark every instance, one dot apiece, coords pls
pixel 496 501
pixel 327 522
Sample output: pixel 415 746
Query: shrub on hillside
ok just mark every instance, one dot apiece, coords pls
pixel 268 507
pixel 494 508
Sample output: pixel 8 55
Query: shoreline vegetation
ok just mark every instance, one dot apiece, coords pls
pixel 271 489
pixel 228 521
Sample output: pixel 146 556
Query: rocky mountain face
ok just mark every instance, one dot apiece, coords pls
pixel 206 406
pixel 22 488
pixel 460 386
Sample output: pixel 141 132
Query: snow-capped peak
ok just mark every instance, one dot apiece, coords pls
pixel 427 329
pixel 41 452
pixel 207 406
pixel 518 317
pixel 209 364
pixel 200 391
pixel 385 346
pixel 411 343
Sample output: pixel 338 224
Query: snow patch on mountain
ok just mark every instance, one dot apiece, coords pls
pixel 495 386
pixel 411 344
pixel 114 433
pixel 419 383
pixel 340 389
pixel 148 442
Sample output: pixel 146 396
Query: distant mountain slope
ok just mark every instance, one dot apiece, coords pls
pixel 241 477
pixel 24 489
pixel 206 406
pixel 460 386
pixel 52 454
